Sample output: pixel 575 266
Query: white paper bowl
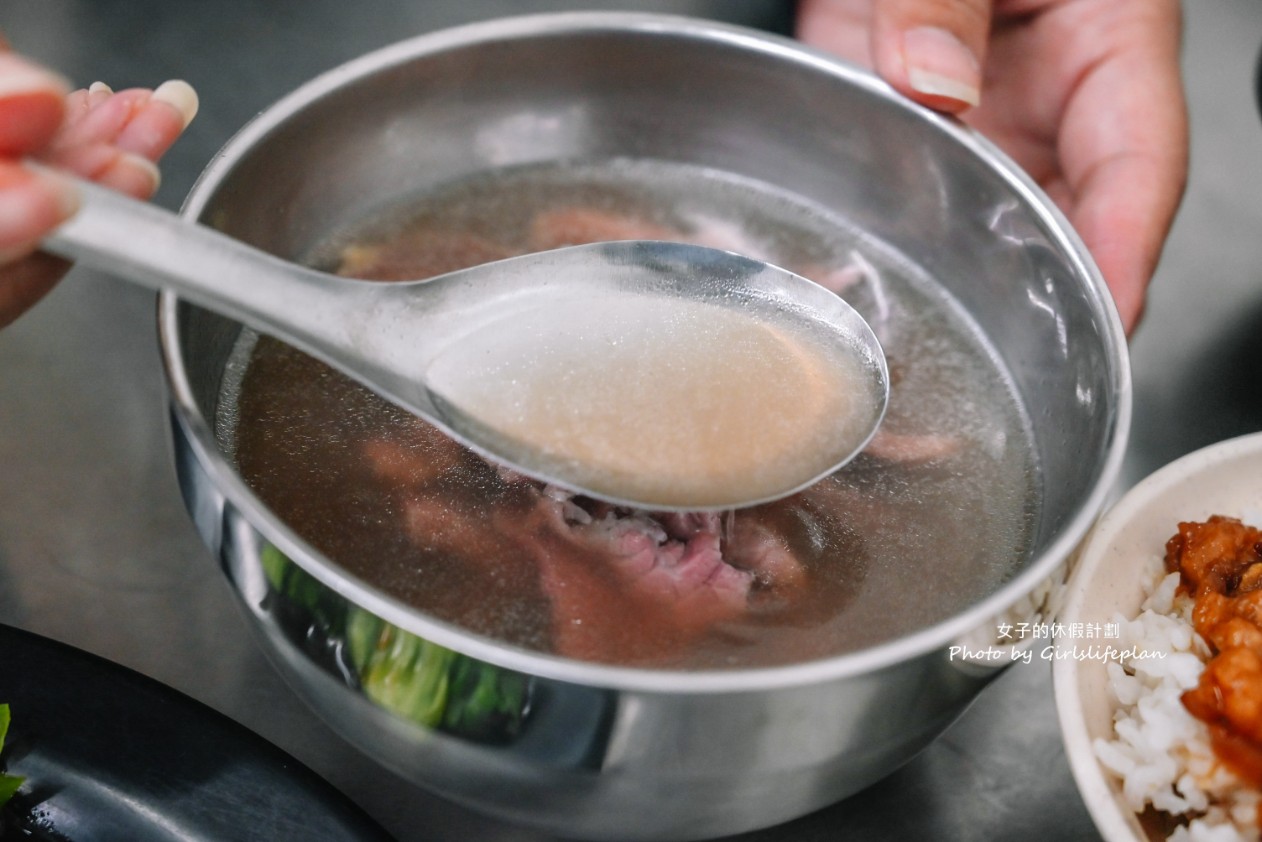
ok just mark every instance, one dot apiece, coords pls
pixel 1225 479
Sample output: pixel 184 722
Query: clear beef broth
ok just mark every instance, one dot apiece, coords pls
pixel 937 513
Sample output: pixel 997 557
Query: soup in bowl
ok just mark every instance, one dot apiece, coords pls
pixel 606 672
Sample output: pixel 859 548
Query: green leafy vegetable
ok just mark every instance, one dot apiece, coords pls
pixel 485 701
pixel 8 783
pixel 408 675
pixel 417 679
pixel 301 588
pixel 433 685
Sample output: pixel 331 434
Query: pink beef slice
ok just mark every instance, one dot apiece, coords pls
pixel 624 590
pixel 623 586
pixel 913 448
pixel 419 254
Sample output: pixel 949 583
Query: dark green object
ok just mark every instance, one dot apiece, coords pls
pixel 419 680
pixel 8 783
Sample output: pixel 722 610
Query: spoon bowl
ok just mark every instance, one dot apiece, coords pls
pixel 420 344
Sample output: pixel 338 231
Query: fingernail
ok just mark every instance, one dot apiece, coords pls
pixel 938 64
pixel 18 76
pixel 181 96
pixel 100 88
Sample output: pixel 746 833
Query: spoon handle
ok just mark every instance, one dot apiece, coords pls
pixel 145 244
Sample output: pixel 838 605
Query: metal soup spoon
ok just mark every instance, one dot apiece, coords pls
pixel 551 363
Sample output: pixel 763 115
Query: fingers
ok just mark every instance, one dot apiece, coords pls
pixel 106 164
pixel 1123 213
pixel 1125 255
pixel 929 50
pixel 31 204
pixel 932 50
pixel 111 138
pixel 136 121
pixel 1087 96
pixel 31 105
pixel 837 26
pixel 115 138
pixel 97 134
pixel 1124 144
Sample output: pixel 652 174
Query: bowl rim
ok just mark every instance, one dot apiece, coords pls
pixel 1112 818
pixel 920 643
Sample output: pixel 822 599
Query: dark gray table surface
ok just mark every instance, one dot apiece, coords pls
pixel 96 550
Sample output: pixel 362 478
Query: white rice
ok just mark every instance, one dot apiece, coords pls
pixel 1162 753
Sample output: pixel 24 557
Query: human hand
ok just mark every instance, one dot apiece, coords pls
pixel 1085 96
pixel 111 138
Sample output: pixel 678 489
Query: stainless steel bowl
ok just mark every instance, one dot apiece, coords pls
pixel 596 751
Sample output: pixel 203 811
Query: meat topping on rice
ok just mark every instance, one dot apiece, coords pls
pixel 1188 729
pixel 1220 566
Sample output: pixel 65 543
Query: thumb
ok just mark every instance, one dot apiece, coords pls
pixel 932 50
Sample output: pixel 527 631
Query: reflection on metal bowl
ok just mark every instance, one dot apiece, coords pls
pixel 593 750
